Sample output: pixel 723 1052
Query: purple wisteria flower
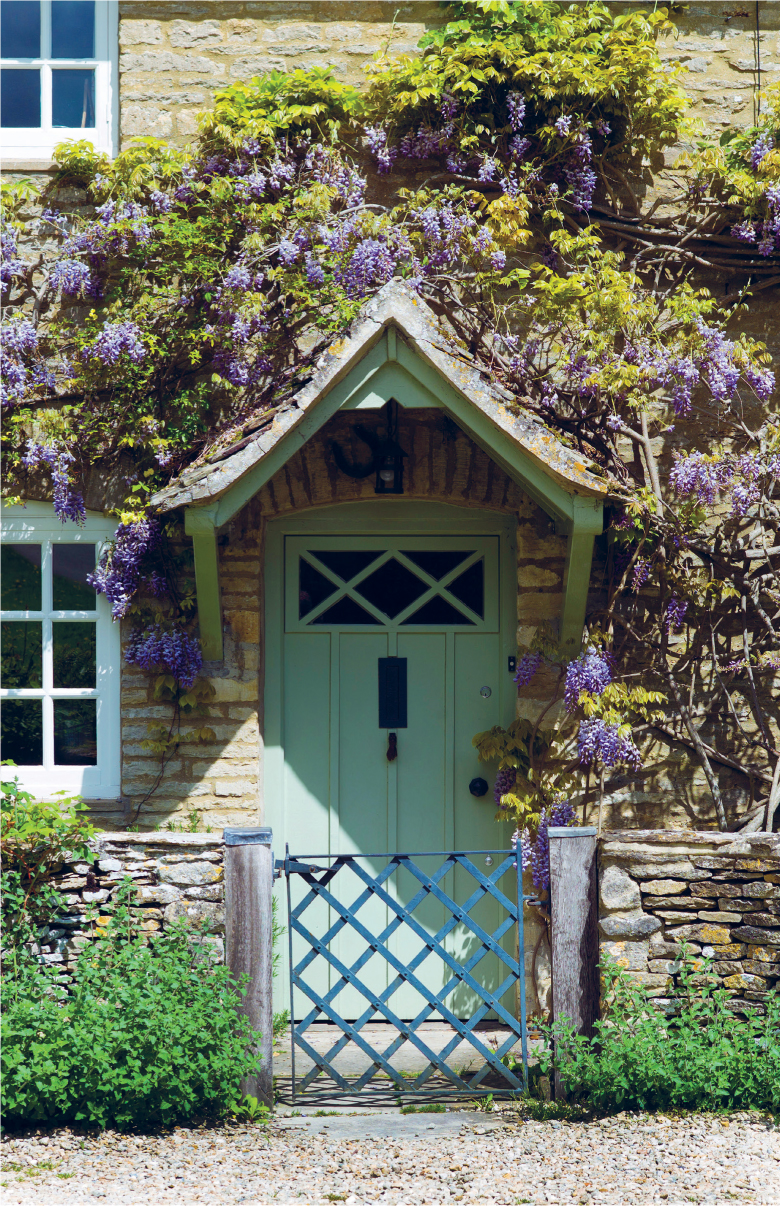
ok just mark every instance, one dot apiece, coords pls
pixel 384 155
pixel 515 104
pixel 487 169
pixel 535 853
pixel 115 339
pixel 600 739
pixel 675 613
pixel 10 264
pixel 73 277
pixel 579 173
pixel 167 651
pixel 527 666
pixel 761 148
pixel 68 502
pixel 119 570
pixel 563 125
pixel 592 672
pixel 505 781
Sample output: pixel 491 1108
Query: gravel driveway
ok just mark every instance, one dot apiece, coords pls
pixel 459 1157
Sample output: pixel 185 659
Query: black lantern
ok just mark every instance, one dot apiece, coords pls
pixel 387 460
pixel 390 468
pixel 389 457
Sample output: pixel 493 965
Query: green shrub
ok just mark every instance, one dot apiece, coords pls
pixel 148 1035
pixel 695 1056
pixel 36 837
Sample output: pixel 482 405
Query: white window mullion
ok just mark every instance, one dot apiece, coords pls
pixel 46 117
pixel 48 733
pixel 45 29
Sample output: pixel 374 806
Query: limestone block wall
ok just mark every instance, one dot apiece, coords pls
pixel 174 54
pixel 175 876
pixel 720 893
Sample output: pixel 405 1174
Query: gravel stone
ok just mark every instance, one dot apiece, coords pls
pixel 629 1160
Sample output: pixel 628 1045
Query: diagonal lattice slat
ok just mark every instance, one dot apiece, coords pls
pixel 323 876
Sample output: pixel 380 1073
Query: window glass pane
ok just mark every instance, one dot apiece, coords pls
pixel 21 731
pixel 73 99
pixel 391 588
pixel 75 732
pixel 20 571
pixel 346 564
pixel 436 563
pixel 469 587
pixel 20 99
pixel 74 655
pixel 73 29
pixel 346 611
pixel 71 564
pixel 437 611
pixel 313 587
pixel 20 654
pixel 20 29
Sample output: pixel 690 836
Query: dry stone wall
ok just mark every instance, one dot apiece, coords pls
pixel 720 893
pixel 175 876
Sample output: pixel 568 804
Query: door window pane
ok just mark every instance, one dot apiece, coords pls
pixel 20 29
pixel 470 587
pixel 20 659
pixel 346 564
pixel 437 611
pixel 75 650
pixel 20 570
pixel 71 564
pixel 75 732
pixel 73 99
pixel 21 731
pixel 73 29
pixel 20 98
pixel 346 611
pixel 437 563
pixel 313 588
pixel 391 588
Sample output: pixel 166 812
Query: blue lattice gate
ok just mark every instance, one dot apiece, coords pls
pixel 406 974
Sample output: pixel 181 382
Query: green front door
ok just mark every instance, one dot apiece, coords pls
pixel 349 600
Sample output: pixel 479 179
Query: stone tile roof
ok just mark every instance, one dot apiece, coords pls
pixel 395 305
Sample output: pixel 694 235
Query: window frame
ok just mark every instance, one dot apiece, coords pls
pixel 39 142
pixel 37 524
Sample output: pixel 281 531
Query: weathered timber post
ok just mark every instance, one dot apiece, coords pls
pixel 574 928
pixel 249 877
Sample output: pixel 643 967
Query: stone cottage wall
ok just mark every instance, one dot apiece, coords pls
pixel 175 54
pixel 175 876
pixel 720 893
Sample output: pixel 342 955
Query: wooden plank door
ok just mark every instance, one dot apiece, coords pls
pixel 348 601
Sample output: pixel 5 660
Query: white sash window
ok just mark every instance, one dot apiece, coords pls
pixel 57 75
pixel 59 657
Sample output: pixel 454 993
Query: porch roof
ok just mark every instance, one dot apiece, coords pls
pixel 397 349
pixel 277 433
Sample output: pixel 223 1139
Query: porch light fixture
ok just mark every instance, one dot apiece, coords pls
pixel 388 456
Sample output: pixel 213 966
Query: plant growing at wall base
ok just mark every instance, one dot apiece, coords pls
pixel 36 837
pixel 696 1056
pixel 150 1034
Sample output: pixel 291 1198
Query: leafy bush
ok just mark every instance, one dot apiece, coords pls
pixel 36 837
pixel 149 1035
pixel 696 1056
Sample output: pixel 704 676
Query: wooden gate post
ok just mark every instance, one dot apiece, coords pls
pixel 574 928
pixel 249 877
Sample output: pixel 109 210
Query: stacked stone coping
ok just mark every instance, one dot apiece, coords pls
pixel 720 893
pixel 176 876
